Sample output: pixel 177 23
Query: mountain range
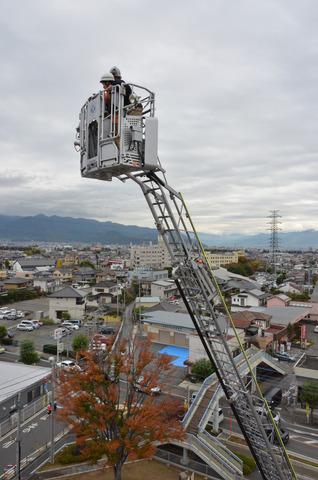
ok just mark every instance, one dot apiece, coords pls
pixel 43 228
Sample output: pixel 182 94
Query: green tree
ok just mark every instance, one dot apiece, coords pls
pixel 7 264
pixel 3 331
pixel 87 263
pixel 80 343
pixel 202 368
pixel 66 316
pixel 28 355
pixel 309 394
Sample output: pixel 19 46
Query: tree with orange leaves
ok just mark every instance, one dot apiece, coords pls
pixel 110 416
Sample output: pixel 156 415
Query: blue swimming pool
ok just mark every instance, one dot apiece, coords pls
pixel 180 353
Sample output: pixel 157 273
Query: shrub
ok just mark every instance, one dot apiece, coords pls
pixel 28 355
pixel 80 342
pixel 249 464
pixel 71 454
pixel 47 321
pixel 3 331
pixel 202 369
pixel 7 341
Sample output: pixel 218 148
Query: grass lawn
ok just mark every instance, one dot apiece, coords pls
pixel 146 469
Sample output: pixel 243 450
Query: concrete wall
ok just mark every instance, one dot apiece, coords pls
pixel 68 305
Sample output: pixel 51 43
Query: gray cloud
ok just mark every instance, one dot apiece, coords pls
pixel 236 89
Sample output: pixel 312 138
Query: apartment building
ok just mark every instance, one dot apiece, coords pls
pixel 154 255
pixel 217 259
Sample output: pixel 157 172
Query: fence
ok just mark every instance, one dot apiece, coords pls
pixel 26 412
pixel 174 459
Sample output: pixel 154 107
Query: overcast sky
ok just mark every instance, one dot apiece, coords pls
pixel 236 89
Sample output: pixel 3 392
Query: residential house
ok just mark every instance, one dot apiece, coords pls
pixel 164 289
pixel 30 265
pixel 281 317
pixel 45 282
pixel 85 275
pixel 279 300
pixel 144 277
pixel 66 300
pixel 16 283
pixel 289 287
pixel 104 292
pixel 63 274
pixel 249 298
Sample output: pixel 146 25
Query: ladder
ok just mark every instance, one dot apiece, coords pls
pixel 200 293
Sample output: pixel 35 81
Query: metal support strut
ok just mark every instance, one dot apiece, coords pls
pixel 200 292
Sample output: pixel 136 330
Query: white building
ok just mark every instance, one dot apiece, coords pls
pixel 249 298
pixel 66 300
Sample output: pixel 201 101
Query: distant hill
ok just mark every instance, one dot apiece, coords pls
pixel 42 228
pixel 287 240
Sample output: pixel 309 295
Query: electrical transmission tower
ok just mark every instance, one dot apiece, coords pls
pixel 274 241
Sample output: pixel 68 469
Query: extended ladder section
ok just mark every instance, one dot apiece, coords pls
pixel 200 293
pixel 120 141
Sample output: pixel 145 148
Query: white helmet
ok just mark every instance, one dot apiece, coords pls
pixel 107 77
pixel 115 71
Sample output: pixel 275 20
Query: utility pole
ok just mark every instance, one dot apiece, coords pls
pixel 18 438
pixel 52 361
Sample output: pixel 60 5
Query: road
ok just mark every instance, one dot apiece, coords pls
pixel 302 440
pixel 35 432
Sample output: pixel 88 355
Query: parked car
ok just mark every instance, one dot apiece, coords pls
pixel 316 329
pixel 141 387
pixel 23 326
pixel 37 323
pixel 31 323
pixel 11 316
pixel 66 364
pixel 4 310
pixel 284 357
pixel 19 314
pixel 10 333
pixel 107 330
pixel 70 325
pixel 75 322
